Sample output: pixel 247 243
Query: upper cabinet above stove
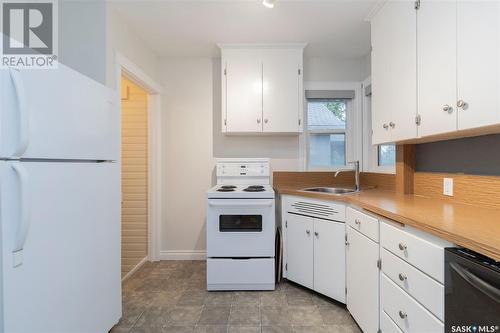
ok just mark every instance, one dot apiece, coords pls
pixel 262 88
pixel 435 70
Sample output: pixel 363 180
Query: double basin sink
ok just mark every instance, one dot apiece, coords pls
pixel 330 190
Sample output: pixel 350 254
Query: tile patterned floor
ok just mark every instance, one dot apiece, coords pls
pixel 170 297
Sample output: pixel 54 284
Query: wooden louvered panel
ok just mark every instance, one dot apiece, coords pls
pixel 134 177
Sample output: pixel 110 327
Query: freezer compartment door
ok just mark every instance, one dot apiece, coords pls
pixel 60 227
pixel 57 114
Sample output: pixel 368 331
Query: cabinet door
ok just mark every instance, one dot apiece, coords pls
pixel 329 259
pixel 282 96
pixel 243 98
pixel 381 81
pixel 362 280
pixel 299 246
pixel 437 83
pixel 394 72
pixel 478 64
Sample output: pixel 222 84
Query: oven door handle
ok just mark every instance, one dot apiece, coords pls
pixel 228 203
pixel 478 283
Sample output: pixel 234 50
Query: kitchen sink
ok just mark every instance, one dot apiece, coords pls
pixel 330 190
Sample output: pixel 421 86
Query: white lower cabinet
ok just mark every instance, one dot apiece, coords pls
pixel 411 280
pixel 328 259
pixel 393 273
pixel 316 254
pixel 314 246
pixel 299 244
pixel 408 314
pixel 362 283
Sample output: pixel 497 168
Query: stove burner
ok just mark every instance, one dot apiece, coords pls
pixel 225 189
pixel 255 188
pixel 228 186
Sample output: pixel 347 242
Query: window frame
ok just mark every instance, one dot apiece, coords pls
pixel 353 133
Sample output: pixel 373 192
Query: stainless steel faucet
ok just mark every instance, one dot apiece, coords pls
pixel 356 173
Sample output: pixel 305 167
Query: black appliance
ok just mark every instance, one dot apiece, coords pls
pixel 472 292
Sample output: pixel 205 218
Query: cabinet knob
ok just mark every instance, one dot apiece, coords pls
pixel 316 234
pixel 402 315
pixel 447 108
pixel 385 126
pixel 265 121
pixel 462 104
pixel 402 246
pixel 392 124
pixel 308 232
pixel 258 120
pixel 402 277
pixel 358 222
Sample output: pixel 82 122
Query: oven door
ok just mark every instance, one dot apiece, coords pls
pixel 242 228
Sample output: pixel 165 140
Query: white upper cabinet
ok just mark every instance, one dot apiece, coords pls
pixel 282 103
pixel 262 88
pixel 242 79
pixel 442 56
pixel 437 67
pixel 478 63
pixel 394 72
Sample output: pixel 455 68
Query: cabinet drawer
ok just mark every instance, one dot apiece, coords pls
pixel 364 223
pixel 422 250
pixel 240 274
pixel 387 325
pixel 424 289
pixel 405 311
pixel 316 208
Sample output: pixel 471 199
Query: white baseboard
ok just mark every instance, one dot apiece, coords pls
pixel 183 255
pixel 133 270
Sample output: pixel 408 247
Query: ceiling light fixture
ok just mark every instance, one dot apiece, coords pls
pixel 268 3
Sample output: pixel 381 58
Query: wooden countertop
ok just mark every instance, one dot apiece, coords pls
pixel 476 228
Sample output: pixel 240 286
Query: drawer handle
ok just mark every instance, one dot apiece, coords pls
pixel 402 315
pixel 358 222
pixel 402 247
pixel 308 232
pixel 316 234
pixel 402 277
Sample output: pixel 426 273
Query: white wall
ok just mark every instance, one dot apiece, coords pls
pixel 122 39
pixel 188 161
pixel 334 69
pixel 82 43
pixel 192 140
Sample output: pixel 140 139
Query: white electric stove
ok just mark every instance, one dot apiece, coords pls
pixel 241 227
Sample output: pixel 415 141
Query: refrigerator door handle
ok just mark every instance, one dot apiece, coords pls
pixel 24 214
pixel 23 112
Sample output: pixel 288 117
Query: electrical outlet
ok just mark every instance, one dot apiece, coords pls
pixel 448 186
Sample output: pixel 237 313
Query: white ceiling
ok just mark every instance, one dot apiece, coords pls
pixel 332 28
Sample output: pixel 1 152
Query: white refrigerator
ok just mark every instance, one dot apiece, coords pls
pixel 59 203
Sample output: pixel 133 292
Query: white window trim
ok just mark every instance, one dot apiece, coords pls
pixel 354 145
pixel 370 152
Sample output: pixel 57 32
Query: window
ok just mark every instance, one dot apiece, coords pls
pixel 386 155
pixel 326 127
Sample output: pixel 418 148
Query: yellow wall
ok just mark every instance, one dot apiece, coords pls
pixel 134 175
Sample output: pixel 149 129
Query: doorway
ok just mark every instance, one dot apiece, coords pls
pixel 139 99
pixel 134 175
